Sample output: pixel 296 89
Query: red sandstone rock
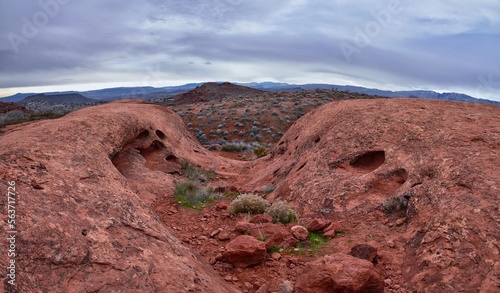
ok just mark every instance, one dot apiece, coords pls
pixel 91 227
pixel 340 273
pixel 261 218
pixel 317 225
pixel 299 232
pixel 330 234
pixel 364 251
pixel 281 238
pixel 103 168
pixel 244 251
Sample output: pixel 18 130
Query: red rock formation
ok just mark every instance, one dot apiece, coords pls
pixel 89 227
pixel 438 159
pixel 340 273
pixel 87 183
pixel 244 251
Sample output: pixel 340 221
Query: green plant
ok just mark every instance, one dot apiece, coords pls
pixel 274 249
pixel 316 241
pixel 260 151
pixel 189 194
pixel 196 173
pixel 283 212
pixel 248 203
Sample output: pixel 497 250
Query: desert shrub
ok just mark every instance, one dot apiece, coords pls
pixel 270 188
pixel 285 287
pixel 196 173
pixel 397 203
pixel 260 151
pixel 248 203
pixel 237 147
pixel 190 195
pixel 283 212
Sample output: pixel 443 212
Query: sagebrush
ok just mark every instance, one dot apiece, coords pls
pixel 283 212
pixel 248 203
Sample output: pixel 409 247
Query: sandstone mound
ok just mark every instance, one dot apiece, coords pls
pixel 417 180
pixel 432 165
pixel 84 226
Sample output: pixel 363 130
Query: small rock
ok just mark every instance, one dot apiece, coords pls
pixel 228 278
pixel 263 289
pixel 214 233
pixel 221 206
pixel 391 244
pixel 400 222
pixel 330 234
pixel 242 227
pixel 334 226
pixel 276 256
pixel 299 232
pixel 223 236
pixel 261 218
pixel 317 225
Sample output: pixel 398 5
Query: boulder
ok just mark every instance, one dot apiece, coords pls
pixel 317 225
pixel 281 238
pixel 340 273
pixel 299 232
pixel 244 251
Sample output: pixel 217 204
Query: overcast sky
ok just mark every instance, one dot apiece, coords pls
pixel 443 45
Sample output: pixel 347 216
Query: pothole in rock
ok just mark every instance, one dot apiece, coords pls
pixel 369 161
pixel 391 182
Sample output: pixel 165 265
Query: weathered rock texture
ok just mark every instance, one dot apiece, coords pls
pixel 440 159
pixel 84 222
pixel 245 251
pixel 86 184
pixel 340 273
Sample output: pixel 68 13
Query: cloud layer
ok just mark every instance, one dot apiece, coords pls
pixel 394 44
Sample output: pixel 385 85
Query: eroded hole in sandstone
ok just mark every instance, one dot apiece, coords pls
pixel 171 158
pixel 153 147
pixel 369 161
pixel 317 139
pixel 390 183
pixel 400 176
pixel 160 134
pixel 143 134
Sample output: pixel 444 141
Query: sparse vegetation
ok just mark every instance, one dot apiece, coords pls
pixel 260 151
pixel 274 249
pixel 190 195
pixel 283 212
pixel 196 173
pixel 397 203
pixel 316 241
pixel 248 203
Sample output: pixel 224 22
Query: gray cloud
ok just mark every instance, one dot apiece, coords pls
pixel 449 45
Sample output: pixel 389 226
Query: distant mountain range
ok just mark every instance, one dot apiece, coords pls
pixel 55 99
pixel 212 91
pixel 152 93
